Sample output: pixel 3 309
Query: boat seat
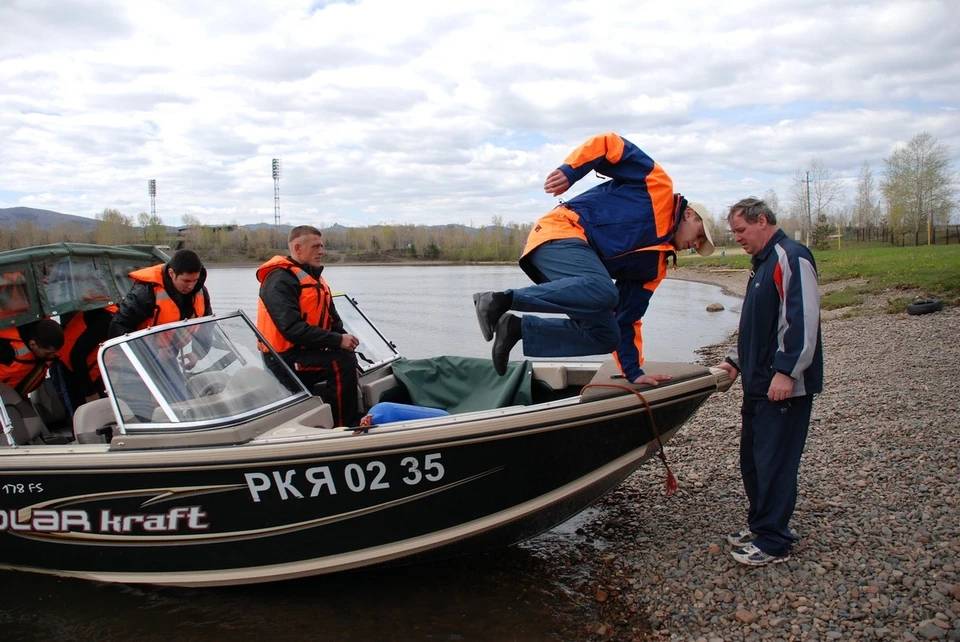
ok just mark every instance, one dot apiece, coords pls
pixel 89 418
pixel 26 425
pixel 253 381
pixel 553 375
pixel 208 383
pixel 94 415
pixel 373 391
pixel 48 404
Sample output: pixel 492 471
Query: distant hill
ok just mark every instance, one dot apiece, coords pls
pixel 336 227
pixel 46 219
pixel 10 216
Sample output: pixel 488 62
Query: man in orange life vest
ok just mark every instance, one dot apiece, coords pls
pixel 624 229
pixel 165 293
pixel 77 374
pixel 296 314
pixel 26 352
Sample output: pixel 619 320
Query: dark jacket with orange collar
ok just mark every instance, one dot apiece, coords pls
pixel 82 337
pixel 153 300
pixel 629 221
pixel 296 309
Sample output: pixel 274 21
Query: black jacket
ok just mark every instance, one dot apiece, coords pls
pixel 98 325
pixel 139 304
pixel 280 294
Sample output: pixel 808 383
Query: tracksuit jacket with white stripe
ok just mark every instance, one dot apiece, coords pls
pixel 780 321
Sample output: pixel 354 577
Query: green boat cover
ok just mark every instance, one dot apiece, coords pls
pixel 49 280
pixel 464 384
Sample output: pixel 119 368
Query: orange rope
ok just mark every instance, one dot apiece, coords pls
pixel 671 480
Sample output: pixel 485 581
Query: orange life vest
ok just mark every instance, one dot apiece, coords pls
pixel 25 373
pixel 165 309
pixel 71 333
pixel 315 302
pixel 13 288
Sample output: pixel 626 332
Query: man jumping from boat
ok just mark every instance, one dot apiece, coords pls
pixel 296 314
pixel 624 229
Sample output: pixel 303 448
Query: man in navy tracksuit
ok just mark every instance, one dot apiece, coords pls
pixel 779 352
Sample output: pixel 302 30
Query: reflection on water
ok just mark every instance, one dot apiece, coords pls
pixel 428 310
pixel 503 595
pixel 510 594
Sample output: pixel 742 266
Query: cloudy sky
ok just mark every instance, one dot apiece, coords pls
pixel 430 112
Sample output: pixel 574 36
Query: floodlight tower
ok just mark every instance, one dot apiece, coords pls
pixel 152 189
pixel 276 192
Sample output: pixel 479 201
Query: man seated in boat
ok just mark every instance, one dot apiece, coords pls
pixel 296 314
pixel 26 353
pixel 76 371
pixel 165 293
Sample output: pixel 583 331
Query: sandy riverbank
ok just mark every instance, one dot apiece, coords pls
pixel 879 488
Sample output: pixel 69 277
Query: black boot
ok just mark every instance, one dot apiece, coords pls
pixel 509 332
pixel 490 306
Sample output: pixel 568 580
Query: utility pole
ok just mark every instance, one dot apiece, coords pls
pixel 276 192
pixel 152 190
pixel 809 216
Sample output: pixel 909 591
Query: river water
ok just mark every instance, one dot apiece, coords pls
pixel 427 311
pixel 510 594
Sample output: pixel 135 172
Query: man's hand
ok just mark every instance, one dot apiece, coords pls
pixel 780 387
pixel 556 183
pixel 349 342
pixel 733 372
pixel 652 379
pixel 188 360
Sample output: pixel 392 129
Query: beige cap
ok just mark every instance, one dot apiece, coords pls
pixel 705 249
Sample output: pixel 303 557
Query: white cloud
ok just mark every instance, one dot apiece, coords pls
pixel 440 112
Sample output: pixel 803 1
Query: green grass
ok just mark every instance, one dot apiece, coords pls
pixel 842 298
pixel 900 273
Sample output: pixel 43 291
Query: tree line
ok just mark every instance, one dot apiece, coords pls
pixel 914 196
pixel 232 242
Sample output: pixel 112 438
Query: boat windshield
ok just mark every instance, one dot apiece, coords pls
pixel 375 351
pixel 196 374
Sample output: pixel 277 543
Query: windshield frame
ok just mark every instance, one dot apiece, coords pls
pixel 177 423
pixel 372 341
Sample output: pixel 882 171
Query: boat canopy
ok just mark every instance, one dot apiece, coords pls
pixel 50 280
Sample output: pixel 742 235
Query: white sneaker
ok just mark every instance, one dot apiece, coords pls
pixel 753 556
pixel 741 538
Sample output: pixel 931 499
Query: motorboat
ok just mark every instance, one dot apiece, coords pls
pixel 232 472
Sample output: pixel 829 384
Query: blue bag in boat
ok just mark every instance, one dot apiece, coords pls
pixel 387 411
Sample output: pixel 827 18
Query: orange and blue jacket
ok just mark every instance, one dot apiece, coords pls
pixel 628 221
pixel 309 325
pixel 25 373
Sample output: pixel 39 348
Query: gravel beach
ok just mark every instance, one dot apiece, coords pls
pixel 877 511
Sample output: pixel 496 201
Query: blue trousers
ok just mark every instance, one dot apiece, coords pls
pixel 772 438
pixel 571 280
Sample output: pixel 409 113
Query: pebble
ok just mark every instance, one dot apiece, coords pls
pixel 878 558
